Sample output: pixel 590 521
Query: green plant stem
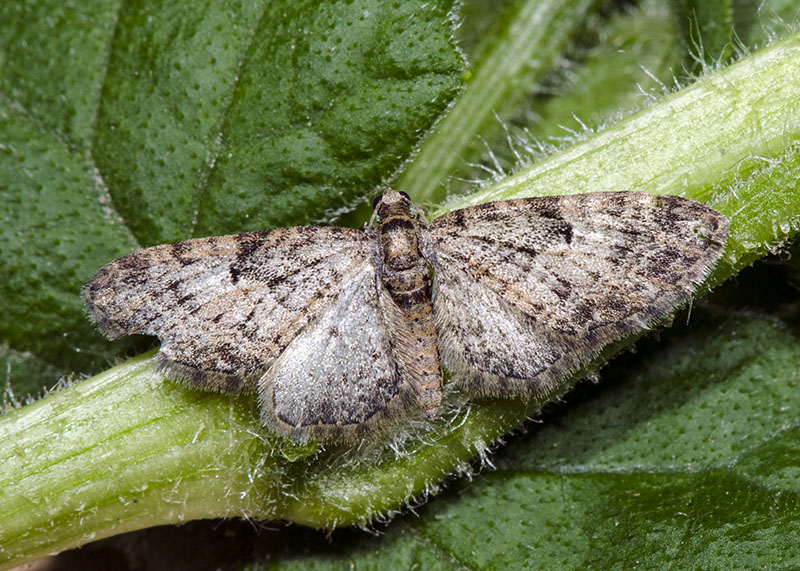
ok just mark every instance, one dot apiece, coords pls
pixel 127 449
pixel 531 38
pixel 692 142
pixel 121 451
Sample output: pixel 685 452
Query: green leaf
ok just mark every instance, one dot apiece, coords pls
pixel 248 116
pixel 52 61
pixel 57 230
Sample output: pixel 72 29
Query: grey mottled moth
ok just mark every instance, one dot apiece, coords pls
pixel 340 330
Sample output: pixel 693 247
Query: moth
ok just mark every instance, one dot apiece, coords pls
pixel 340 330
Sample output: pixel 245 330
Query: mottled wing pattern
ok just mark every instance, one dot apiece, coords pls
pixel 226 307
pixel 340 378
pixel 527 291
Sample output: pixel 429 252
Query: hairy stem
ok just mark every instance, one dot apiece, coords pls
pixel 121 451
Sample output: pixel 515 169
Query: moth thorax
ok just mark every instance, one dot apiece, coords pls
pixel 399 241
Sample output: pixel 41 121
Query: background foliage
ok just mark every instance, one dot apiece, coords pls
pixel 128 124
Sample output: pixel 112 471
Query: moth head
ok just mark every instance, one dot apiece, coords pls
pixel 390 200
pixel 391 196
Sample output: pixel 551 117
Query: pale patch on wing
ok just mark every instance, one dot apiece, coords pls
pixel 534 288
pixel 339 377
pixel 492 347
pixel 225 307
